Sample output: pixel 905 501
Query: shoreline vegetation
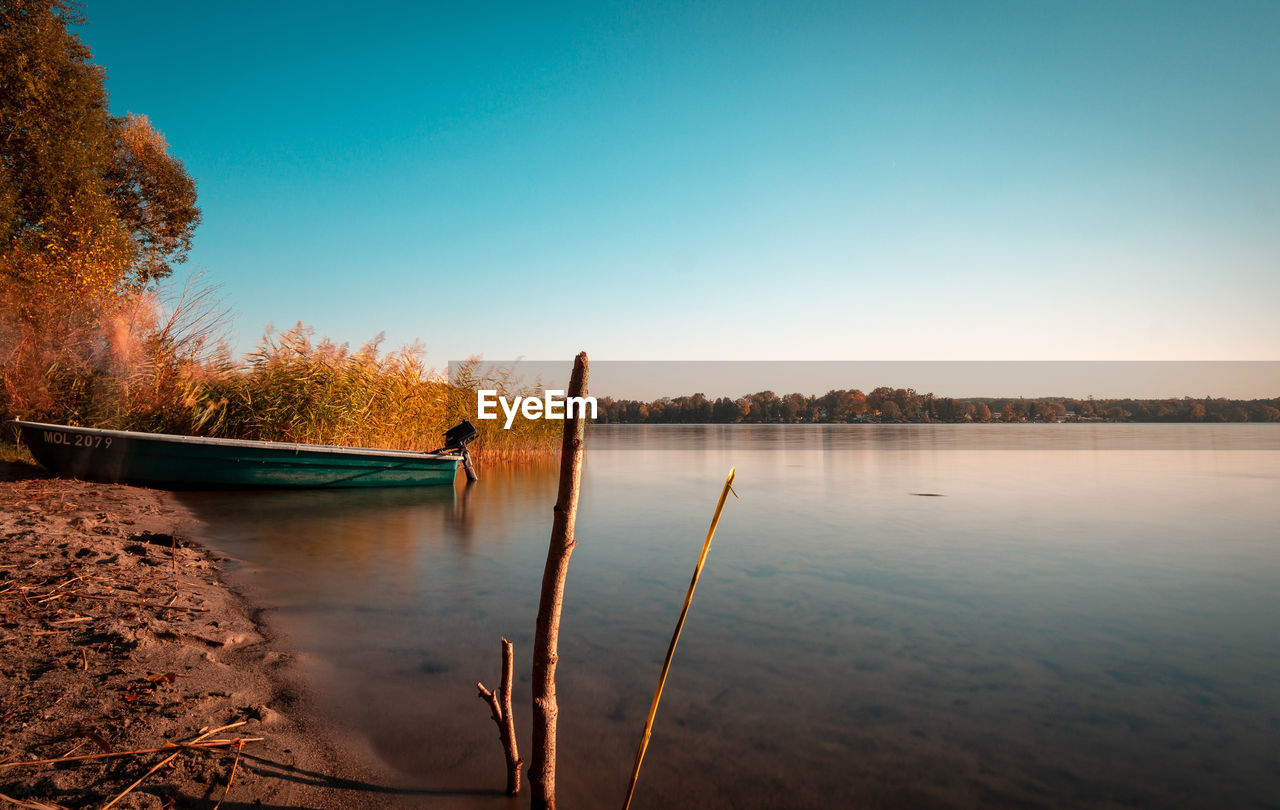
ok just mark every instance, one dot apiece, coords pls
pixel 138 376
pixel 904 405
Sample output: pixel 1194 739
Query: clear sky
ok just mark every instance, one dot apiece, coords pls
pixel 728 181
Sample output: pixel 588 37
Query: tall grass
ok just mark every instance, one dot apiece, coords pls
pixel 142 365
pixel 293 388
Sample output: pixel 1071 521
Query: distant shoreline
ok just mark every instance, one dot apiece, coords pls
pixel 906 405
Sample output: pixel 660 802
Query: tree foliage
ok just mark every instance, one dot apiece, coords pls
pixel 93 210
pixel 87 200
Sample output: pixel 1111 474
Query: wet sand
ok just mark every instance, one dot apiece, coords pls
pixel 118 633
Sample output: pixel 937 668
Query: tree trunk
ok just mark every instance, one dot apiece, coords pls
pixel 546 640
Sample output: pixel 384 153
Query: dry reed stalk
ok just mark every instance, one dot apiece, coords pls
pixel 82 744
pixel 199 743
pixel 675 637
pixel 205 745
pixel 232 778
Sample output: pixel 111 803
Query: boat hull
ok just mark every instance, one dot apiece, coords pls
pixel 186 462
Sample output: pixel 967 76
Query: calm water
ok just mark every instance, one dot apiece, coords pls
pixel 1088 616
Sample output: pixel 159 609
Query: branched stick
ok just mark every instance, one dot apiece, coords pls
pixel 499 701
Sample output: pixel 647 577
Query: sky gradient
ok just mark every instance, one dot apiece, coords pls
pixel 736 181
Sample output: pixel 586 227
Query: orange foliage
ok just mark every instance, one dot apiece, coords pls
pixel 81 263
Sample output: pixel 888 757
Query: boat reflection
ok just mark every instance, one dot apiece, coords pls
pixel 297 528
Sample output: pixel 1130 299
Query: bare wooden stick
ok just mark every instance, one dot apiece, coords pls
pixel 675 637
pixel 499 702
pixel 546 639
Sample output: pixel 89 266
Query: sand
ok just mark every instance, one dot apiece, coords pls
pixel 119 633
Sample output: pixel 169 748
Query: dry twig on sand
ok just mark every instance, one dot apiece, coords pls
pixel 200 742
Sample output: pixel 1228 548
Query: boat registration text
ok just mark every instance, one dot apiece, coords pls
pixel 76 439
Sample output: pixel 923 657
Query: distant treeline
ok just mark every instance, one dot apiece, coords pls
pixel 907 405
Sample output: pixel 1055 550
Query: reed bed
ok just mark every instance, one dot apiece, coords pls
pixel 145 365
pixel 318 392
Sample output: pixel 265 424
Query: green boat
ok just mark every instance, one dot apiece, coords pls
pixel 191 462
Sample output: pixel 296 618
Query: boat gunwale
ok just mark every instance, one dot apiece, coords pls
pixel 174 438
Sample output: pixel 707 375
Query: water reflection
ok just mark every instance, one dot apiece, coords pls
pixel 924 436
pixel 1068 627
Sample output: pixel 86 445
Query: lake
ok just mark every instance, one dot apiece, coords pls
pixel 892 616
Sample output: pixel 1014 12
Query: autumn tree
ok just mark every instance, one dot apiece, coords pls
pixel 765 406
pixel 829 406
pixel 878 396
pixel 857 403
pixel 946 409
pixel 793 407
pixel 87 200
pixel 93 209
pixel 154 197
pixel 909 401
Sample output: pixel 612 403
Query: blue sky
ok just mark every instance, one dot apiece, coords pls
pixel 847 181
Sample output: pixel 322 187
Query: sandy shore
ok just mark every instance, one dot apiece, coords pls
pixel 118 633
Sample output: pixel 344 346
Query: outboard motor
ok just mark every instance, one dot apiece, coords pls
pixel 457 438
pixel 460 435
